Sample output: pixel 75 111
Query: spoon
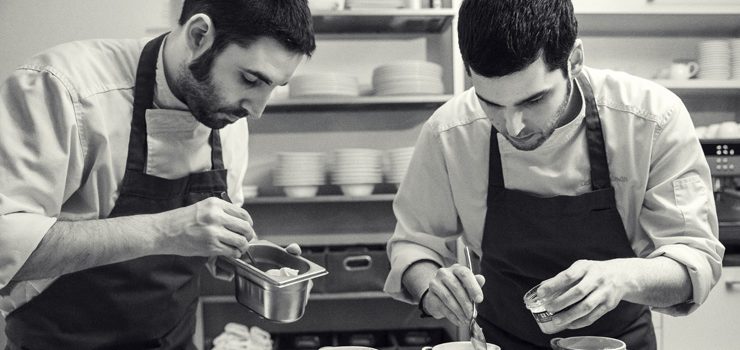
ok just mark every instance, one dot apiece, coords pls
pixel 477 339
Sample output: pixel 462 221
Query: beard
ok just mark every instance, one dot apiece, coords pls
pixel 202 97
pixel 536 140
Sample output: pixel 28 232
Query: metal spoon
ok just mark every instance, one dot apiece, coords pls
pixel 477 339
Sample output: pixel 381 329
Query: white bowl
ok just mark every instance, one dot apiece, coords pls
pixel 301 191
pixel 357 190
pixel 249 191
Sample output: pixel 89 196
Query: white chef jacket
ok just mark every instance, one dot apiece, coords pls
pixel 657 167
pixel 65 119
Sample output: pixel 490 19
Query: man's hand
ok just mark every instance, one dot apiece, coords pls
pixel 210 227
pixel 584 292
pixel 452 292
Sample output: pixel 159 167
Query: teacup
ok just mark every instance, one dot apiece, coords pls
pixel 459 345
pixel 587 343
pixel 683 70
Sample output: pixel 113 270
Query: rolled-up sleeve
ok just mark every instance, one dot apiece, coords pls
pixel 41 161
pixel 678 212
pixel 427 221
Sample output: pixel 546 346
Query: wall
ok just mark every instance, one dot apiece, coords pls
pixel 29 26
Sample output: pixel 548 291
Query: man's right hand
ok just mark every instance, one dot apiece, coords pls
pixel 452 292
pixel 210 227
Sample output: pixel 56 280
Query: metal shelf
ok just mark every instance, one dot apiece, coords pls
pixel 327 103
pixel 320 199
pixel 329 239
pixel 314 296
pixel 663 20
pixel 702 87
pixel 383 21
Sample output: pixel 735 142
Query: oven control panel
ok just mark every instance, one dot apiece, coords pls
pixel 723 157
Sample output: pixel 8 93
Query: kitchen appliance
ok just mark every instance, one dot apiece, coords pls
pixel 277 298
pixel 723 157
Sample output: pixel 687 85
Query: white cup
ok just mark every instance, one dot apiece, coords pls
pixel 459 345
pixel 683 70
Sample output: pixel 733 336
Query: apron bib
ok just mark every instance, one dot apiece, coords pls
pixel 529 239
pixel 145 303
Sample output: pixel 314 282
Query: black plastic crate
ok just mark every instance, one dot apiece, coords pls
pixel 374 339
pixel 357 268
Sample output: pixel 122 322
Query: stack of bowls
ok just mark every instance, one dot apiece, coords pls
pixel 357 170
pixel 399 159
pixel 249 191
pixel 714 60
pixel 300 173
pixel 375 4
pixel 408 78
pixel 735 48
pixel 324 84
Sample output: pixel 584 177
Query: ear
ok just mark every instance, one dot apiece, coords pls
pixel 199 34
pixel 575 61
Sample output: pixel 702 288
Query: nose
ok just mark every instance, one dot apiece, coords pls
pixel 257 100
pixel 514 122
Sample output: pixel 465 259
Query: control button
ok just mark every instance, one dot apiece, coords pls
pixel 732 166
pixel 724 167
pixel 719 152
pixel 719 160
pixel 732 152
pixel 719 167
pixel 725 147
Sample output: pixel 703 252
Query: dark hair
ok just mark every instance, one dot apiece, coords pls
pixel 500 37
pixel 243 21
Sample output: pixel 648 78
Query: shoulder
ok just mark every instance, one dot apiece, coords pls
pixel 633 96
pixel 461 111
pixel 91 66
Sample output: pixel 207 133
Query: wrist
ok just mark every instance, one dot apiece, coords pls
pixel 424 312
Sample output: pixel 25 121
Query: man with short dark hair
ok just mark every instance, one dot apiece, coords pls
pixel 118 162
pixel 590 182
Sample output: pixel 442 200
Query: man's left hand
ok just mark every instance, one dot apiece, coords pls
pixel 584 292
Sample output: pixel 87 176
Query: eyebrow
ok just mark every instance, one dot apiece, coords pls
pixel 262 77
pixel 521 102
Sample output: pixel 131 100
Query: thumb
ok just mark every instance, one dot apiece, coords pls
pixel 481 280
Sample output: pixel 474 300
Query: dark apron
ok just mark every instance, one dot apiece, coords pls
pixel 145 303
pixel 529 239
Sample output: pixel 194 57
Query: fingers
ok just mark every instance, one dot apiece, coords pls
pixel 239 212
pixel 242 227
pixel 587 311
pixel 227 250
pixel 293 248
pixel 234 241
pixel 470 283
pixel 439 308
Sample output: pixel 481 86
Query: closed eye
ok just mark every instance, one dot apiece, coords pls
pixel 250 80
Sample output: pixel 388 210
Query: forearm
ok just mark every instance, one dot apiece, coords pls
pixel 417 277
pixel 71 246
pixel 658 282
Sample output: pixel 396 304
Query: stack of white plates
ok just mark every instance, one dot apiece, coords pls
pixel 324 84
pixel 714 60
pixel 399 159
pixel 408 78
pixel 374 4
pixel 357 166
pixel 735 53
pixel 300 173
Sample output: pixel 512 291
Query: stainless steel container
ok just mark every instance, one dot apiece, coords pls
pixel 277 298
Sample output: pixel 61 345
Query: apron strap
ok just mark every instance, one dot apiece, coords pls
pixel 594 138
pixel 143 100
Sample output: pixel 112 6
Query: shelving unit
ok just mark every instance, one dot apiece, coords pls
pixel 325 103
pixel 702 87
pixel 383 21
pixel 660 20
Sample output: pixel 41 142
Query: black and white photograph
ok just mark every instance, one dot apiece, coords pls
pixel 370 174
